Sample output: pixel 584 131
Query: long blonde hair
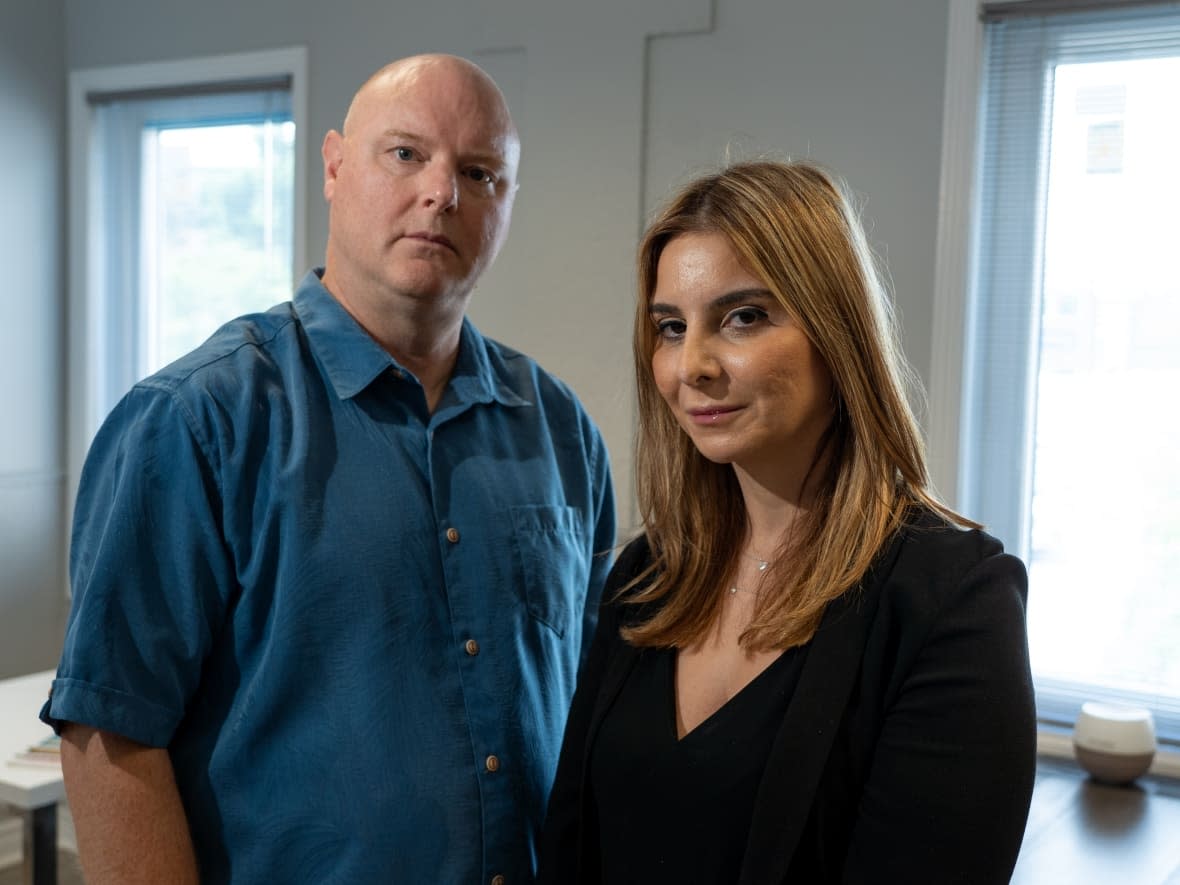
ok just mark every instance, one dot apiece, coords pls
pixel 792 226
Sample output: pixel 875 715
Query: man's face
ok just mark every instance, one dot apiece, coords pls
pixel 421 186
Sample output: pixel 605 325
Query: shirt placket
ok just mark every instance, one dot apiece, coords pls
pixel 475 647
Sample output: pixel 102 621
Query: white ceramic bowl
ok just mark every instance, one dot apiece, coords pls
pixel 1115 743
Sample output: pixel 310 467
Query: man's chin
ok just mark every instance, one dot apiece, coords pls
pixel 428 288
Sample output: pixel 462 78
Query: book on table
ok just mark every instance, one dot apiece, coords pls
pixel 46 753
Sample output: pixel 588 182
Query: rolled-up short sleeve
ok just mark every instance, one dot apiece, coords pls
pixel 149 572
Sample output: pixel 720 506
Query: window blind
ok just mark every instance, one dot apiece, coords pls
pixel 1025 45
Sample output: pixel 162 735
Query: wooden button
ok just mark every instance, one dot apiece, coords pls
pixel 492 764
pixel 453 535
pixel 471 647
pixel 497 880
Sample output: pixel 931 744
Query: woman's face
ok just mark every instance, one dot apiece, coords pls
pixel 741 377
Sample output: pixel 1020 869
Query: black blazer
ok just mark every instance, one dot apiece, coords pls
pixel 908 751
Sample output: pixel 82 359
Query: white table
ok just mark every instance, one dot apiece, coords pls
pixel 35 792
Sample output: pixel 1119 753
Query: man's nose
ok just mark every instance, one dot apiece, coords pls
pixel 440 187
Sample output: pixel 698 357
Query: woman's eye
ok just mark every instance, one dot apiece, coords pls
pixel 744 317
pixel 670 328
pixel 404 153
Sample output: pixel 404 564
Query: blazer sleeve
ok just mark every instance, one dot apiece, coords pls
pixel 950 779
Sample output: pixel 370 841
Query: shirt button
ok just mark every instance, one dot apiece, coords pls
pixel 492 764
pixel 471 647
pixel 399 374
pixel 497 880
pixel 453 535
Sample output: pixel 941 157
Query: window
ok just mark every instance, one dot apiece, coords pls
pixel 1070 429
pixel 186 211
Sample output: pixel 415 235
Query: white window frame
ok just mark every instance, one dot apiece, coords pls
pixel 950 350
pixel 84 412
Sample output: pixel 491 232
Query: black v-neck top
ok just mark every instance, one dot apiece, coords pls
pixel 680 810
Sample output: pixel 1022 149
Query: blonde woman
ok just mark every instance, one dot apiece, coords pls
pixel 807 669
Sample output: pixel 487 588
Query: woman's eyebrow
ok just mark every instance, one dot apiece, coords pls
pixel 739 295
pixel 719 303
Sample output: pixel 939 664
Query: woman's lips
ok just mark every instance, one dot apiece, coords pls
pixel 713 414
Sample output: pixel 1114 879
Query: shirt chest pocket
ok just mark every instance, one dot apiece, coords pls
pixel 551 551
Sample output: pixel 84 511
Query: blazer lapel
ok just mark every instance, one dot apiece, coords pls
pixel 622 661
pixel 801 747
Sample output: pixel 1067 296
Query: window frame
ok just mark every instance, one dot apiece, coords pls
pixel 951 356
pixel 83 347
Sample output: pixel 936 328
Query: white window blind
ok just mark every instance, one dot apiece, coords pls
pixel 1071 425
pixel 191 192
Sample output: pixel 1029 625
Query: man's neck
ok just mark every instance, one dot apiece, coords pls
pixel 430 357
pixel 421 334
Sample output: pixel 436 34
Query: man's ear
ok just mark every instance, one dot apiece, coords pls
pixel 333 153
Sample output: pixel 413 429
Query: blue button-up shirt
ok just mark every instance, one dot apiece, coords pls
pixel 355 624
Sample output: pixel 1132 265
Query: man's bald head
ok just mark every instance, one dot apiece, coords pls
pixel 405 72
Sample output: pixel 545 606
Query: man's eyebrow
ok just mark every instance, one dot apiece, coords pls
pixel 402 133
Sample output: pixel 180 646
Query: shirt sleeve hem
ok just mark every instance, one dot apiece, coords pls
pixel 108 709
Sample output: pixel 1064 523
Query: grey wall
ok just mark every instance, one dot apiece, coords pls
pixel 32 155
pixel 617 101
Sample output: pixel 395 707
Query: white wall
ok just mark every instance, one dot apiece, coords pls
pixel 616 101
pixel 32 120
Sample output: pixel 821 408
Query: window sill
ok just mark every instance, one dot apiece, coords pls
pixel 1086 833
pixel 1057 743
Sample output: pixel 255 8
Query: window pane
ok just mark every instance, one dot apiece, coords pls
pixel 1105 517
pixel 217 233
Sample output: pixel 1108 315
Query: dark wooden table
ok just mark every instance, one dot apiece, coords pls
pixel 1081 832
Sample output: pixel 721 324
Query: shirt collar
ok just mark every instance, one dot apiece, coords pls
pixel 349 355
pixel 478 377
pixel 352 359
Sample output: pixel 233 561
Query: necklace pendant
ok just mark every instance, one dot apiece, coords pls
pixel 762 564
pixel 733 590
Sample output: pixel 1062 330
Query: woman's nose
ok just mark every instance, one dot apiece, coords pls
pixel 698 362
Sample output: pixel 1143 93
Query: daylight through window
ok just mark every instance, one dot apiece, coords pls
pixel 1072 422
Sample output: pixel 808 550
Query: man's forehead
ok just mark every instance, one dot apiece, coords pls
pixel 443 81
pixel 444 96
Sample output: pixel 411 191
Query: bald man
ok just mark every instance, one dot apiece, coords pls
pixel 334 570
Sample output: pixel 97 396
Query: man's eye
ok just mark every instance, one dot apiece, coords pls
pixel 404 153
pixel 481 176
